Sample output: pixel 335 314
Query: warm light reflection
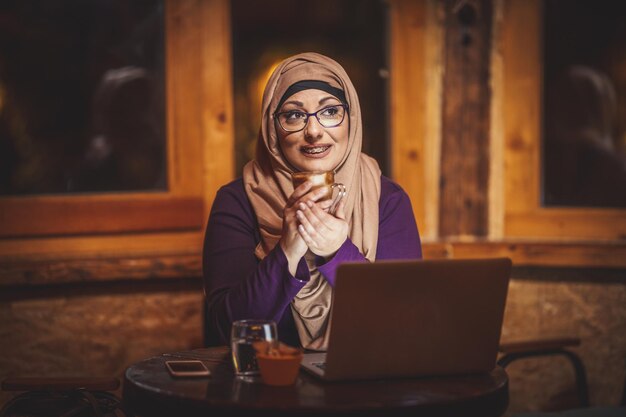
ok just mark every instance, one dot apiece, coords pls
pixel 264 77
pixel 251 104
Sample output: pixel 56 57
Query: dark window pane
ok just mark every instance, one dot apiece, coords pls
pixel 351 32
pixel 81 96
pixel 585 103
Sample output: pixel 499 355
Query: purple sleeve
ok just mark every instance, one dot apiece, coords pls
pixel 398 237
pixel 237 285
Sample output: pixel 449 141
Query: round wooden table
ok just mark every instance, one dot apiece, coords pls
pixel 149 390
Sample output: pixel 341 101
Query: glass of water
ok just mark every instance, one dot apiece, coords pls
pixel 244 334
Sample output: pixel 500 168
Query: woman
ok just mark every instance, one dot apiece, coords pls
pixel 270 251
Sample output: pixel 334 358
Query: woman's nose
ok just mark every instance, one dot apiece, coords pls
pixel 313 130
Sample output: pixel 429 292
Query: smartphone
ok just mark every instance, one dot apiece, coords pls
pixel 188 368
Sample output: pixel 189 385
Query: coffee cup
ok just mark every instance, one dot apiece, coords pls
pixel 319 180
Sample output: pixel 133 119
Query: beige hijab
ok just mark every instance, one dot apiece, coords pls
pixel 267 181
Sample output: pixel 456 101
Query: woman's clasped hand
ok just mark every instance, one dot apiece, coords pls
pixel 308 224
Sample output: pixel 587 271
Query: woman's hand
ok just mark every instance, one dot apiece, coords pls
pixel 322 232
pixel 291 242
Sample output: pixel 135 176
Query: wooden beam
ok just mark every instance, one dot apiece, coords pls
pixel 466 119
pixel 533 253
pixel 66 216
pixel 28 273
pixel 217 98
pixel 49 249
pixel 98 262
pixel 408 101
pixel 183 26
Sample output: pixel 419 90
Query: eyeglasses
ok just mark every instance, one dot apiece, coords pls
pixel 296 120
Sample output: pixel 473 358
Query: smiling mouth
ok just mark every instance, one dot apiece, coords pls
pixel 315 150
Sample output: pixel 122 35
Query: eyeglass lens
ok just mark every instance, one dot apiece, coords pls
pixel 295 120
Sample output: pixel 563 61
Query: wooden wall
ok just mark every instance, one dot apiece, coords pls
pixel 92 304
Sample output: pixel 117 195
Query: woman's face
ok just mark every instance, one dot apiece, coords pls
pixel 314 148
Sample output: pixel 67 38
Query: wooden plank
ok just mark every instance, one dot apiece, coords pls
pixel 532 253
pixel 153 258
pixel 27 250
pixel 27 273
pixel 434 69
pixel 496 143
pixel 217 98
pixel 567 223
pixel 521 37
pixel 466 119
pixel 184 99
pixel 40 216
pixel 408 100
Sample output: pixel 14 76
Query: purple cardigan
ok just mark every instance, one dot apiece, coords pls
pixel 239 286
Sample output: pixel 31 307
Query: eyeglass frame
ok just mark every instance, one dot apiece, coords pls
pixel 308 115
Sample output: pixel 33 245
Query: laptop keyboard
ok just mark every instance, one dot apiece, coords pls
pixel 321 365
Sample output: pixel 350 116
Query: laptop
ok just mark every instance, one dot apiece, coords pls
pixel 414 318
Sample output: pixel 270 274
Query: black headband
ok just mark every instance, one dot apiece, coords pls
pixel 312 85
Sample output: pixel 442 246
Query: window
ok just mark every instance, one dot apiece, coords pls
pixel 190 77
pixel 524 116
pixel 584 129
pixel 82 106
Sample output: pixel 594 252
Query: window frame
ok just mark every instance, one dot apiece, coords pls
pixel 198 125
pixel 524 216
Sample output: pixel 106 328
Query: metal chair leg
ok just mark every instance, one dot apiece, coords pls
pixel 579 368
